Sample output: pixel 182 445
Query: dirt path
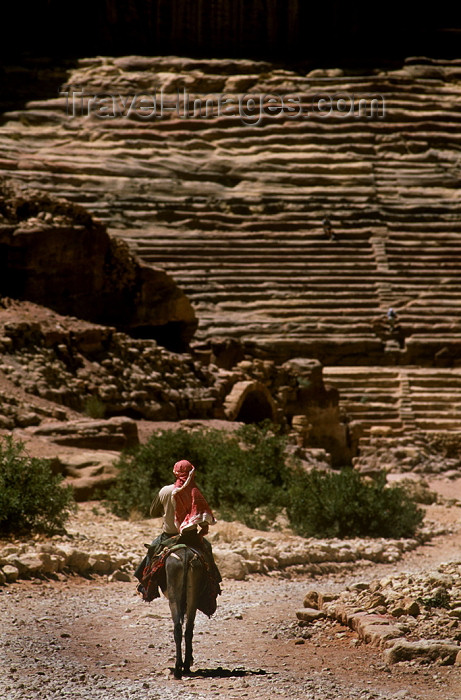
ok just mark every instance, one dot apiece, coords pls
pixel 89 639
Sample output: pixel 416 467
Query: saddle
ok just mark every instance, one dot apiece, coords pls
pixel 154 576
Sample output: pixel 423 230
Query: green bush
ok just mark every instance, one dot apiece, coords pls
pixel 343 504
pixel 94 407
pixel 238 473
pixel 249 476
pixel 31 497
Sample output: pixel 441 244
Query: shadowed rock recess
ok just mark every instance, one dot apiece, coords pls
pixel 233 212
pixel 54 253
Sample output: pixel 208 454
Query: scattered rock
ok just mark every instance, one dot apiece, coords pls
pixel 120 576
pixel 310 614
pixel 11 573
pixel 423 650
pixel 230 564
pixel 75 559
pixel 311 600
pixel 383 613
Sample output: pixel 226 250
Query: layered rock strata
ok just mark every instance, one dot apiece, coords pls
pixel 86 554
pixel 232 205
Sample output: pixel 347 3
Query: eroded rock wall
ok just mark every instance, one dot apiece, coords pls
pixel 55 253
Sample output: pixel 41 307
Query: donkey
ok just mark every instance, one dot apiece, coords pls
pixel 184 580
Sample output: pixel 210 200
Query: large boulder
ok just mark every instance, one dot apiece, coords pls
pixel 423 650
pixel 117 433
pixel 55 253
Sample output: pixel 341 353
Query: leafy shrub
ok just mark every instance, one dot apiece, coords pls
pixel 94 407
pixel 249 476
pixel 31 497
pixel 440 599
pixel 238 473
pixel 342 504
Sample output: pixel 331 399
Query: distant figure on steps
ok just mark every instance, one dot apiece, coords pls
pixel 392 319
pixel 328 230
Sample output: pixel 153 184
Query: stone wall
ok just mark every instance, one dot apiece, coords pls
pixel 410 617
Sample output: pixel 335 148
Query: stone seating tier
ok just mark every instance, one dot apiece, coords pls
pixel 407 398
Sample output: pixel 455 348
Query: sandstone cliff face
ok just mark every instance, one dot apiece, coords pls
pixel 237 210
pixel 219 204
pixel 54 253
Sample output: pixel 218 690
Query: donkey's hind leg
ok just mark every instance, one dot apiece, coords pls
pixel 177 623
pixel 175 573
pixel 192 591
pixel 188 634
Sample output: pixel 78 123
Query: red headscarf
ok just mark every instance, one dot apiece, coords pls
pixel 191 507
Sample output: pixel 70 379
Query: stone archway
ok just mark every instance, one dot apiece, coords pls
pixel 250 402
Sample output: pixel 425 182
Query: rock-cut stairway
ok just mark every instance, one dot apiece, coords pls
pixel 402 399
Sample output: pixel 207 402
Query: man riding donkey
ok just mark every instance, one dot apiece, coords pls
pixel 184 509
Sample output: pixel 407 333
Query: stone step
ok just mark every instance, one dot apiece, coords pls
pixel 369 392
pixel 229 274
pixel 265 258
pixel 372 407
pixel 298 295
pixel 325 306
pixel 426 386
pixel 363 382
pixel 438 424
pixel 346 251
pixel 285 287
pixel 281 290
pixel 368 423
pixel 437 415
pixel 441 397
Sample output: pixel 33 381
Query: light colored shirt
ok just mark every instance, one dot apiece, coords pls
pixel 164 505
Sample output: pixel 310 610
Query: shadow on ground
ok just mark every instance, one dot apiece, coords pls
pixel 220 672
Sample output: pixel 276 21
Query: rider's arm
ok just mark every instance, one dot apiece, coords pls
pixel 156 509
